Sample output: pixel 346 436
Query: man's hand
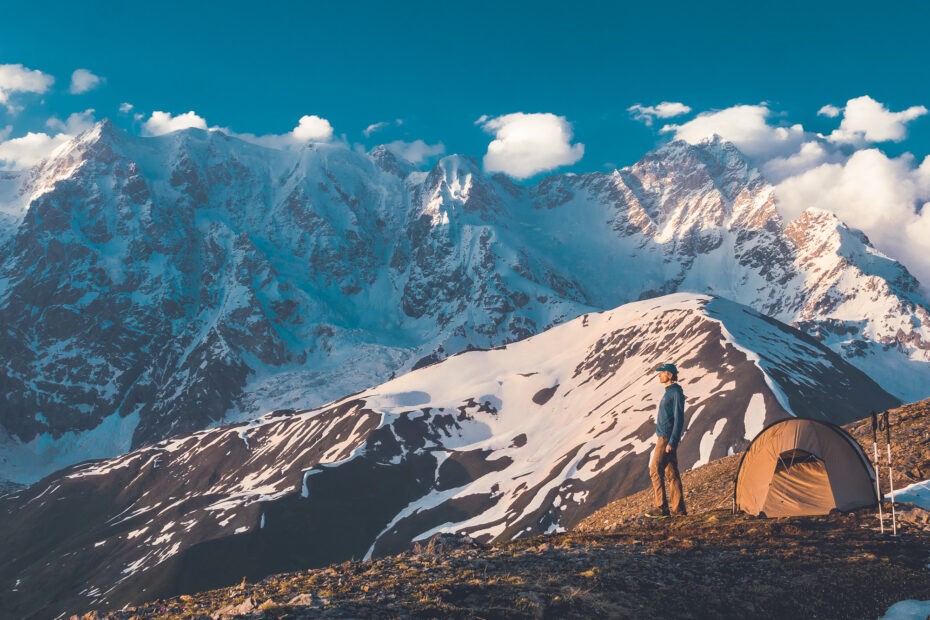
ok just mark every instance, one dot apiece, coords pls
pixel 668 449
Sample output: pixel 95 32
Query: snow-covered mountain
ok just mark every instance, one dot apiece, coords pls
pixel 154 286
pixel 527 438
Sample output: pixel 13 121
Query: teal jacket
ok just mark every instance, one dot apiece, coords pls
pixel 670 419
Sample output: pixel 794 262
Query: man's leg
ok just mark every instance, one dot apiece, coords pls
pixel 676 497
pixel 656 470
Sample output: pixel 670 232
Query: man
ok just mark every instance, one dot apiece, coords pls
pixel 663 467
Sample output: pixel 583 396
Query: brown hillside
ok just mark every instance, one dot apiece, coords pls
pixel 712 564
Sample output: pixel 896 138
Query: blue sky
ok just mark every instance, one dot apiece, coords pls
pixel 828 99
pixel 258 68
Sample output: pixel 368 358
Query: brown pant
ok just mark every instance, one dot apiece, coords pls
pixel 664 467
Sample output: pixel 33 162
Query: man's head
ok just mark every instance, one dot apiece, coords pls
pixel 667 373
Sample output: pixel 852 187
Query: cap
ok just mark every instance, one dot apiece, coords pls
pixel 669 367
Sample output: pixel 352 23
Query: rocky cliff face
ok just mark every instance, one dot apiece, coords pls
pixel 520 440
pixel 154 286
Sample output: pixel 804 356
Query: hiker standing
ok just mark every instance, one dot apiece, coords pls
pixel 663 467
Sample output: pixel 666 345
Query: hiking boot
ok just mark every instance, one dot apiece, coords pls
pixel 656 513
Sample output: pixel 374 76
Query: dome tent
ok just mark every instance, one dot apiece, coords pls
pixel 798 467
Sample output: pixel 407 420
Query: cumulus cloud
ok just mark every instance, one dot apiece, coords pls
pixel 83 81
pixel 747 127
pixel 312 128
pixel 26 151
pixel 160 123
pixel 830 111
pixel 866 120
pixel 527 144
pixel 666 109
pixel 887 198
pixel 809 155
pixel 125 107
pixel 417 151
pixel 74 124
pixel 19 79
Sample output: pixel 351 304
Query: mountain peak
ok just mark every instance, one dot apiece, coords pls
pixel 103 131
pixel 391 162
pixel 458 166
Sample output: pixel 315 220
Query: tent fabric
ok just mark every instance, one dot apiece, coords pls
pixel 798 467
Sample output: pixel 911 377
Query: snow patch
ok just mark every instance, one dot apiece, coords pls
pixel 754 420
pixel 908 610
pixel 707 442
pixel 917 494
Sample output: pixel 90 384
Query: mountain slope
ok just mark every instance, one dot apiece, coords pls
pixel 155 286
pixel 499 444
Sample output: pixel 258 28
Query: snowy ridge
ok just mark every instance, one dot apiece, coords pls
pixel 523 439
pixel 157 286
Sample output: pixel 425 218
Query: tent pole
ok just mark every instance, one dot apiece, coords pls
pixel 894 518
pixel 878 486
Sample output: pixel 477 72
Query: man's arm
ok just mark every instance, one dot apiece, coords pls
pixel 678 418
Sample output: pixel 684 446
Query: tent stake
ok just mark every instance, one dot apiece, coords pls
pixel 878 486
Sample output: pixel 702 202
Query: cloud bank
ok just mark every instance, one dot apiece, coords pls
pixel 415 152
pixel 161 123
pixel 28 150
pixel 527 144
pixel 746 126
pixel 888 198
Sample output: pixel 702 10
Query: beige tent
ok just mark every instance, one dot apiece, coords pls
pixel 798 467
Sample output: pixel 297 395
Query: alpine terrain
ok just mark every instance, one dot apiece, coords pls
pixel 161 285
pixel 528 438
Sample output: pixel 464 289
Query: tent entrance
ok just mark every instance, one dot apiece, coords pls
pixel 799 486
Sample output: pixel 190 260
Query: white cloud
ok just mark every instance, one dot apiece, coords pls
pixel 19 79
pixel 747 127
pixel 666 109
pixel 75 123
pixel 83 81
pixel 810 155
pixel 160 123
pixel 312 128
pixel 25 151
pixel 867 120
pixel 379 126
pixel 309 129
pixel 28 150
pixel 417 151
pixel 374 127
pixel 527 144
pixel 875 193
pixel 887 198
pixel 125 107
